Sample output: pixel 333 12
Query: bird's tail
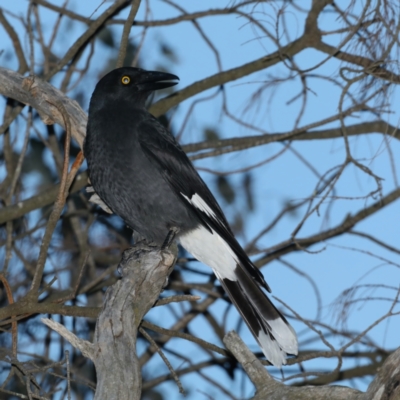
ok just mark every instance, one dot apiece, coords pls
pixel 242 282
pixel 270 328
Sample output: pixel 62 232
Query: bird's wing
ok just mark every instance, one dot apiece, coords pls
pixel 214 244
pixel 161 147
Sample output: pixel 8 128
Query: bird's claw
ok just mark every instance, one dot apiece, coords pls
pixel 170 238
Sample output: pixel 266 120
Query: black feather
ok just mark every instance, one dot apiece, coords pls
pixel 142 174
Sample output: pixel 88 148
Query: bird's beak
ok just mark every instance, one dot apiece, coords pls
pixel 154 80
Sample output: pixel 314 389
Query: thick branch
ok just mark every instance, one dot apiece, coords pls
pixel 240 143
pixel 24 308
pixel 41 95
pixel 385 386
pixel 144 272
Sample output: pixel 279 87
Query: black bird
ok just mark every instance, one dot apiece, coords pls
pixel 142 174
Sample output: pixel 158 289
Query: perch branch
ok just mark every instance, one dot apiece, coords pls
pixel 144 272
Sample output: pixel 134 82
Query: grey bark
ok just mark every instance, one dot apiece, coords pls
pixel 43 96
pixel 385 386
pixel 144 272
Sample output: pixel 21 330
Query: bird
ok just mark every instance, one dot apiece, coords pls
pixel 141 173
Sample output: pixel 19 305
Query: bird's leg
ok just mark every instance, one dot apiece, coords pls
pixel 170 238
pixel 167 242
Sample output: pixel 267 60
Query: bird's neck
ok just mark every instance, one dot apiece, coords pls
pixel 106 105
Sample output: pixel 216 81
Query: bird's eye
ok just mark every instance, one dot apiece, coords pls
pixel 125 80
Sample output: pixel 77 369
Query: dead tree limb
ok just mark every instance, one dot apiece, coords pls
pixel 385 386
pixel 144 272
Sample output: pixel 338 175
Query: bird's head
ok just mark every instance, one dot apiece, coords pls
pixel 132 84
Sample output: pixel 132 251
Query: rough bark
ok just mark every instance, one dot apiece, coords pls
pixel 43 97
pixel 385 386
pixel 144 271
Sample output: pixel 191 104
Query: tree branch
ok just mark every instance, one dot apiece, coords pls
pixel 240 143
pixel 23 66
pixel 41 95
pixel 144 272
pixel 385 386
pixel 373 67
pixel 43 199
pixel 163 105
pixel 349 222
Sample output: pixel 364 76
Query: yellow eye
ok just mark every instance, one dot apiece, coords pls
pixel 125 80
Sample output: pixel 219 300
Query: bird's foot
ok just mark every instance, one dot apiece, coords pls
pixel 170 238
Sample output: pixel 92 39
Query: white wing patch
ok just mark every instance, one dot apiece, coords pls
pixel 199 203
pixel 209 248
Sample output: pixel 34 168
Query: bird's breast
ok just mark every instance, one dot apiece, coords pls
pixel 132 185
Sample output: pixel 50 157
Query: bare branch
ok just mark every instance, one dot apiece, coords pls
pixel 41 95
pixel 144 272
pixel 23 66
pixel 384 386
pixel 125 33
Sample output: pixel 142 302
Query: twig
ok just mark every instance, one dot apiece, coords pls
pixel 176 299
pixel 68 375
pixel 86 36
pixel 14 325
pixel 41 200
pixel 58 206
pixel 125 33
pixel 84 346
pixel 165 359
pixel 14 181
pixel 23 66
pixel 186 336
